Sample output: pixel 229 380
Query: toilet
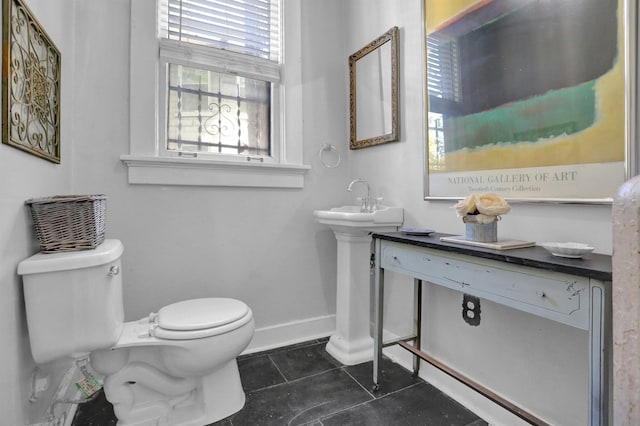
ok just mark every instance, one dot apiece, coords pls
pixel 176 367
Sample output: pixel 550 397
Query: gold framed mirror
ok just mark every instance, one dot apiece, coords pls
pixel 373 92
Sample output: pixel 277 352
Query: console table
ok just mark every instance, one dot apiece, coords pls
pixel 575 292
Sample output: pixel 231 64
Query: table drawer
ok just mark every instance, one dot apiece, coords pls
pixel 542 292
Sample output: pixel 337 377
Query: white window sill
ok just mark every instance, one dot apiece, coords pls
pixel 151 170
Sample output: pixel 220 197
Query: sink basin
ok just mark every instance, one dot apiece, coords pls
pixel 350 217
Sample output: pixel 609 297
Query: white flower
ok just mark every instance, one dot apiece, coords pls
pixel 492 204
pixel 466 206
pixel 488 205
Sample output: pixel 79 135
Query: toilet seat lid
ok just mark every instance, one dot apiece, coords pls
pixel 198 314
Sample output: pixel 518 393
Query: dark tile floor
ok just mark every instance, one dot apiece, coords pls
pixel 303 385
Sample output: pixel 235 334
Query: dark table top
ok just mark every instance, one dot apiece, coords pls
pixel 594 265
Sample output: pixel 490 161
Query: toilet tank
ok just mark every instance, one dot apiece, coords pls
pixel 73 300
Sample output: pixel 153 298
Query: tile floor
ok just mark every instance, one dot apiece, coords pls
pixel 303 385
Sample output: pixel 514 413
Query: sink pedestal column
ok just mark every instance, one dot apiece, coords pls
pixel 352 343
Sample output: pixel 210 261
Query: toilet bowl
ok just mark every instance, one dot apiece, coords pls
pixel 175 367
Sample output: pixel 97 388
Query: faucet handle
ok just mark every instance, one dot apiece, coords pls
pixel 377 202
pixel 364 203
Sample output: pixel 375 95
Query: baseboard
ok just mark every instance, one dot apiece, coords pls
pixel 264 339
pixel 267 338
pixel 290 333
pixel 483 407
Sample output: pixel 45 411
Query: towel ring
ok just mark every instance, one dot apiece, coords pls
pixel 328 147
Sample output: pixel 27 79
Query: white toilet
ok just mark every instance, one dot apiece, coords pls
pixel 176 368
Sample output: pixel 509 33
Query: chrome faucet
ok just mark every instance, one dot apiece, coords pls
pixel 367 205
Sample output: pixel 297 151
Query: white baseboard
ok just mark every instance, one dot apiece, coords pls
pixel 290 333
pixel 299 331
pixel 264 339
pixel 276 336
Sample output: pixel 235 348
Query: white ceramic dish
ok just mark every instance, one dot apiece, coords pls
pixel 416 231
pixel 571 250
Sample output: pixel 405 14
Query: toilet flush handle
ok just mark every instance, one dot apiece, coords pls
pixel 113 270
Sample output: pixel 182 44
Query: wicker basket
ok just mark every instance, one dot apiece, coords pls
pixel 68 222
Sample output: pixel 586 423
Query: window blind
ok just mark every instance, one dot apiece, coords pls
pixel 250 27
pixel 443 73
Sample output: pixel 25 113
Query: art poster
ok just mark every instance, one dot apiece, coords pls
pixel 527 99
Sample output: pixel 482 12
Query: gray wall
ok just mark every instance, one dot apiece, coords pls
pixel 25 176
pixel 258 245
pixel 263 246
pixel 533 361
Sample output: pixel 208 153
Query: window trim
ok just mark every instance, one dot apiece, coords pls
pixel 158 170
pixel 197 56
pixel 144 161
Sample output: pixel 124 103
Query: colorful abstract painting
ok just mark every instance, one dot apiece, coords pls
pixel 526 98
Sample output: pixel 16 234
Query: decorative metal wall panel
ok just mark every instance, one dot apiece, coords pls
pixel 30 84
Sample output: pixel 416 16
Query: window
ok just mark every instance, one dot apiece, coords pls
pixel 217 106
pixel 443 90
pixel 211 112
pixel 443 70
pixel 218 103
pixel 251 27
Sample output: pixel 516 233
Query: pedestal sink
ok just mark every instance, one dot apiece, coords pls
pixel 351 343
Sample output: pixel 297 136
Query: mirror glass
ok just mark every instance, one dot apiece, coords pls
pixel 373 75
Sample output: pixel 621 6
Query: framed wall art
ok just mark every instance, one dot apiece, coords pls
pixel 530 99
pixel 30 84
